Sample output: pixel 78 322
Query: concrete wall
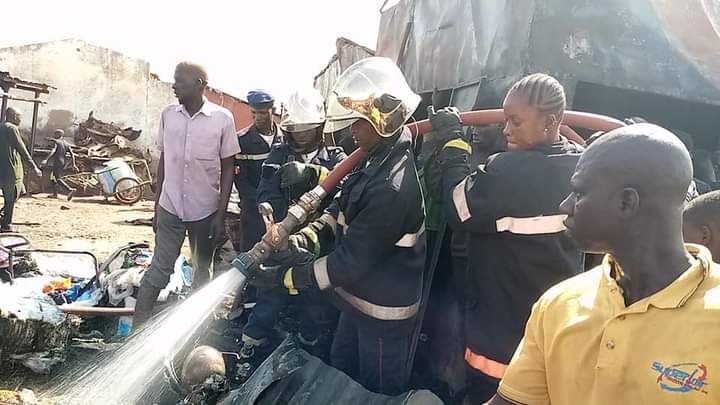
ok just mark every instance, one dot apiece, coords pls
pixel 116 87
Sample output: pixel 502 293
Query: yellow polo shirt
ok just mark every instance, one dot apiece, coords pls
pixel 582 345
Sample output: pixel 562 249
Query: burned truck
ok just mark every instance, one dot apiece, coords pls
pixel 655 59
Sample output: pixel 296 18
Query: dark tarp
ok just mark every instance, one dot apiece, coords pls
pixel 292 376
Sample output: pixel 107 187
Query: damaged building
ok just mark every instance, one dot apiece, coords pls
pixel 117 88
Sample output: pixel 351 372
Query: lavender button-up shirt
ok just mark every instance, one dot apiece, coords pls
pixel 193 147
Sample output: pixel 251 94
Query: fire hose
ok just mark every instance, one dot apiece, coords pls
pixel 276 234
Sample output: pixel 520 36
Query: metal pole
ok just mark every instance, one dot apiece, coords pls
pixel 36 107
pixel 4 107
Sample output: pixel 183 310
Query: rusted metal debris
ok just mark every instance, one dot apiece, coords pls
pixel 99 141
pixel 95 143
pixel 100 131
pixel 7 82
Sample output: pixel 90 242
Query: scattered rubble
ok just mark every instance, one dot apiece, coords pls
pixel 106 140
pixel 95 143
pixel 33 329
pixel 23 397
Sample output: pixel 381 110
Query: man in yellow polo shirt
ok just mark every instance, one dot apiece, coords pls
pixel 643 327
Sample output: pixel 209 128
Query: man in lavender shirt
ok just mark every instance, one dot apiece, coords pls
pixel 198 144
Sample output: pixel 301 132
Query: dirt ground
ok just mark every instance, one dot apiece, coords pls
pixel 85 223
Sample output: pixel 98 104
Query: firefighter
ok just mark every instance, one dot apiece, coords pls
pixel 292 169
pixel 509 208
pixel 255 143
pixel 296 166
pixel 369 244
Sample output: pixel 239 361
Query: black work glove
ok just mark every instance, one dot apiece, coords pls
pixel 446 125
pixel 300 277
pixel 263 276
pixel 305 175
pixel 294 254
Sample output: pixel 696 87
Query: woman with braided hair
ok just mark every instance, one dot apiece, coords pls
pixel 510 209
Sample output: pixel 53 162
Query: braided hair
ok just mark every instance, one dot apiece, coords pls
pixel 541 91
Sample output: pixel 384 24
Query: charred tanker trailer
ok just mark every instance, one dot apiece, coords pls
pixel 659 59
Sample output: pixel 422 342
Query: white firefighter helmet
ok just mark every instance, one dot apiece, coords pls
pixel 375 90
pixel 304 110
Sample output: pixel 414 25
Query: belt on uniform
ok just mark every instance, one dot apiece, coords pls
pixel 376 311
pixel 486 366
pixel 260 156
pixel 407 241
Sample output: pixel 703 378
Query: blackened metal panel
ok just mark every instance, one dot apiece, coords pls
pixel 439 44
pixel 666 47
pixel 619 43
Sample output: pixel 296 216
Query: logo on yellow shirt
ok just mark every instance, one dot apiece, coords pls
pixel 683 377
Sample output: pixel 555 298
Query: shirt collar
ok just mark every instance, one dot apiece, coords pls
pixel 680 290
pixel 206 108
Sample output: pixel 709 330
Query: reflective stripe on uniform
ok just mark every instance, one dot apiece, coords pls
pixel 410 239
pixel 460 201
pixel 321 273
pixel 310 234
pixel 288 282
pixel 341 222
pixel 459 144
pixel 531 226
pixel 251 341
pixel 485 365
pixel 261 156
pixel 330 221
pixel 323 174
pixel 380 312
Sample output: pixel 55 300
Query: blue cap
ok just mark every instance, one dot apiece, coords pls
pixel 260 98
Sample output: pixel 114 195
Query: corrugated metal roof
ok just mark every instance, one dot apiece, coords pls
pixel 13 82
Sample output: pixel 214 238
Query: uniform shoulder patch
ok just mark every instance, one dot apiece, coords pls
pixel 398 172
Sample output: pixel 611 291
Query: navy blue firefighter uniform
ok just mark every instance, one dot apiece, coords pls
pixel 254 150
pixel 371 244
pixel 516 241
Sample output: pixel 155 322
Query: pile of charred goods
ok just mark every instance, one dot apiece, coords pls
pixel 101 147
